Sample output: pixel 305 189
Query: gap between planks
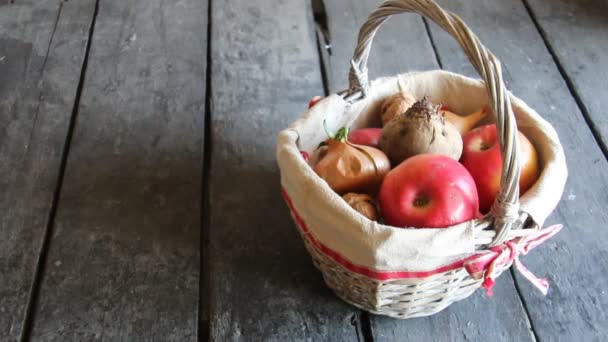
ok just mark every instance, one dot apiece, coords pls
pixel 204 296
pixel 319 15
pixel 569 84
pixel 525 305
pixel 42 255
pixel 432 41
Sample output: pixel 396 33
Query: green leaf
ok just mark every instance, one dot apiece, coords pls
pixel 342 135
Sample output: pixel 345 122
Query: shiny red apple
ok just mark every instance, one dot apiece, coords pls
pixel 481 156
pixel 428 191
pixel 366 136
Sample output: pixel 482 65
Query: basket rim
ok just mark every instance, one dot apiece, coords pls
pixel 518 104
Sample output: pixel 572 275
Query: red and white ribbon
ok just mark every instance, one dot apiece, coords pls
pixel 484 265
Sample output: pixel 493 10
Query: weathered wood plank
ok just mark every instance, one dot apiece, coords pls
pixel 41 55
pixel 263 284
pixel 576 306
pixel 123 261
pixel 578 35
pixel 401 45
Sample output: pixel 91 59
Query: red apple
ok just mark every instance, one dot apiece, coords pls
pixel 366 136
pixel 481 156
pixel 314 101
pixel 428 191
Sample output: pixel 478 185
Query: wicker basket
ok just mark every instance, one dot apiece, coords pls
pixel 497 239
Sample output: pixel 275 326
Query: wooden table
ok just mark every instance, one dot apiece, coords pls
pixel 139 195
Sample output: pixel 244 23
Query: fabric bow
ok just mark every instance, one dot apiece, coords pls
pixel 486 264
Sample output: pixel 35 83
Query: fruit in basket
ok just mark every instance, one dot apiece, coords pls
pixel 428 191
pixel 395 105
pixel 349 167
pixel 421 129
pixel 464 123
pixel 366 136
pixel 364 204
pixel 481 156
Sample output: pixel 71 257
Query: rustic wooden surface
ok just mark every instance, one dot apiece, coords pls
pixel 388 54
pixel 577 35
pixel 41 54
pixel 263 286
pixel 120 219
pixel 123 262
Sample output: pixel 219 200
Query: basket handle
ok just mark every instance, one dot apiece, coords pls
pixel 505 209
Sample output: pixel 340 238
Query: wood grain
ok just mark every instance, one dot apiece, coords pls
pixel 577 34
pixel 575 308
pixel 123 261
pixel 402 44
pixel 263 284
pixel 41 53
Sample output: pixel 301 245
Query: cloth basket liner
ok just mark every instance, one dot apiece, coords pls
pixel 377 250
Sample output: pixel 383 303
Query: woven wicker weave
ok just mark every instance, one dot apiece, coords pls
pixel 402 298
pixel 413 297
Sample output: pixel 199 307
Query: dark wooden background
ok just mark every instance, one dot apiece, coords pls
pixel 139 194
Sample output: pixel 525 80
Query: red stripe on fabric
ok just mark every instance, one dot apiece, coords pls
pixel 480 264
pixel 374 274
